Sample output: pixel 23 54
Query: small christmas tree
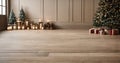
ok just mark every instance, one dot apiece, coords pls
pixel 108 14
pixel 22 15
pixel 12 18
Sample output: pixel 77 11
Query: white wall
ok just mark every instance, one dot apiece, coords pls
pixel 74 12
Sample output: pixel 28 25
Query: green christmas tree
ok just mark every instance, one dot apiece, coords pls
pixel 22 15
pixel 12 18
pixel 108 14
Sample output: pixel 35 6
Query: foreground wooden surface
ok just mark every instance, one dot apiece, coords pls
pixel 58 46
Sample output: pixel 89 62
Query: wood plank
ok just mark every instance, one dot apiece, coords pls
pixel 58 46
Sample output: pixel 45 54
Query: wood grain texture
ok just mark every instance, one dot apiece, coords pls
pixel 58 46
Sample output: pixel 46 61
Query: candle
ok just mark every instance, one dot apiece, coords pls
pixel 26 23
pixel 18 27
pixel 14 27
pixel 28 28
pixel 19 23
pixel 9 28
pixel 42 28
pixel 36 27
pixel 18 20
pixel 40 25
pixel 23 27
pixel 33 27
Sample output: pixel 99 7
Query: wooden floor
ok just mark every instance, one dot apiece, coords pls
pixel 58 46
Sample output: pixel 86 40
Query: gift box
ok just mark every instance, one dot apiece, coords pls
pixel 92 31
pixel 97 31
pixel 110 32
pixel 115 32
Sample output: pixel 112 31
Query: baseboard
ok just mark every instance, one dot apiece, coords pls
pixel 72 26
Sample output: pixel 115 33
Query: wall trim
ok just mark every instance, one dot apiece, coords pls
pixel 56 10
pixel 70 9
pixel 43 18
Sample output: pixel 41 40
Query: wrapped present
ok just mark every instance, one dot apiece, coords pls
pixel 115 31
pixel 110 32
pixel 92 31
pixel 97 31
pixel 103 32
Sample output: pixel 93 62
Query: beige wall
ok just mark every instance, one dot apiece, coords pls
pixel 74 12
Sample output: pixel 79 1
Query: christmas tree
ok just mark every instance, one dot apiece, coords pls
pixel 12 18
pixel 22 15
pixel 108 14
